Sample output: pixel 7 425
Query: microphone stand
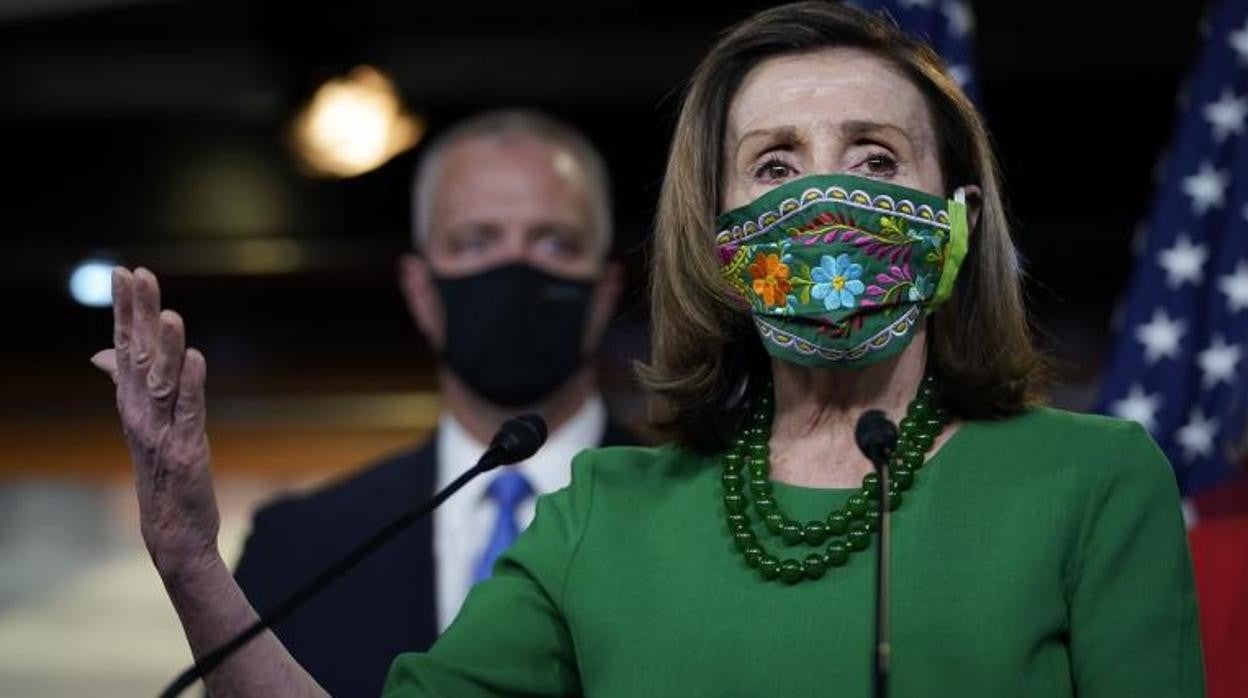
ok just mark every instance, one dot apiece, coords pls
pixel 876 437
pixel 883 645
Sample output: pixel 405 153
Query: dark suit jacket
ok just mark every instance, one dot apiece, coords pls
pixel 348 634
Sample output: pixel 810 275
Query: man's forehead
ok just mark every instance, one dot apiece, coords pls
pixel 489 152
pixel 511 182
pixel 485 175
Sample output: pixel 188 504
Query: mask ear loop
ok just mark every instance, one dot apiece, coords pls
pixel 955 247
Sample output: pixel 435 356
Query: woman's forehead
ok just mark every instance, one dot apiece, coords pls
pixel 826 89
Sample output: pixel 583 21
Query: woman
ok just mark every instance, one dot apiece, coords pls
pixel 830 239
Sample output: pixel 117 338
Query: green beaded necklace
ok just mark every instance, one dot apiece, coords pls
pixel 845 531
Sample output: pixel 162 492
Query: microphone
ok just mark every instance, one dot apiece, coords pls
pixel 876 437
pixel 519 438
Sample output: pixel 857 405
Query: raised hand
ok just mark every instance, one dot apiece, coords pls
pixel 160 398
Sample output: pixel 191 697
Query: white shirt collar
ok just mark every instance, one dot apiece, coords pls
pixel 464 522
pixel 548 470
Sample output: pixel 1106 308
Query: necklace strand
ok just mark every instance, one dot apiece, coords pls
pixel 845 530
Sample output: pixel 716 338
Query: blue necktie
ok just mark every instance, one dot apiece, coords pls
pixel 507 491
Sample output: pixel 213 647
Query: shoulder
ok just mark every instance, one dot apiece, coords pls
pixel 609 487
pixel 635 466
pixel 621 474
pixel 1098 444
pixel 1095 464
pixel 1047 423
pixel 399 478
pixel 293 534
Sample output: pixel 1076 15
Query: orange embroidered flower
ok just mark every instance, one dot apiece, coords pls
pixel 771 279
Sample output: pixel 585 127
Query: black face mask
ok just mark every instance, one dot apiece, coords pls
pixel 514 333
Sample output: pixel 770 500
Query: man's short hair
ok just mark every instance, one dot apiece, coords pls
pixel 514 123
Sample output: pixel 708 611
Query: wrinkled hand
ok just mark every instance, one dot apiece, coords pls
pixel 160 398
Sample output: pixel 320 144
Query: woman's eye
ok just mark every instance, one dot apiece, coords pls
pixel 773 170
pixel 881 164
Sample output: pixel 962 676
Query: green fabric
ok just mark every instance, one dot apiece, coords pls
pixel 838 270
pixel 1043 555
pixel 959 240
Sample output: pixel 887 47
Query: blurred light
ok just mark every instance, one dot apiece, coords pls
pixel 354 124
pixel 266 257
pixel 91 283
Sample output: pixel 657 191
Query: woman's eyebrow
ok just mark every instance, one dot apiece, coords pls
pixel 780 134
pixel 858 128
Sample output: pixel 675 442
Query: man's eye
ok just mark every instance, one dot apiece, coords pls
pixel 560 245
pixel 471 243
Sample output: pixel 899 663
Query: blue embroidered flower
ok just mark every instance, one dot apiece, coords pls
pixel 837 282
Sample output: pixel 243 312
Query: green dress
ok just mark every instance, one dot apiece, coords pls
pixel 1042 555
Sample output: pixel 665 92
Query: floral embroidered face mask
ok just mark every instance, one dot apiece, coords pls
pixel 839 270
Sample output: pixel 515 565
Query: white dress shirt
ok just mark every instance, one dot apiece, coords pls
pixel 462 525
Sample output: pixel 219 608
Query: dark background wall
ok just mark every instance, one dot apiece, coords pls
pixel 154 133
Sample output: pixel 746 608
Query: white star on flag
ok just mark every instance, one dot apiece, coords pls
pixel 1138 406
pixel 1217 363
pixel 1196 437
pixel 961 74
pixel 1235 286
pixel 1160 336
pixel 1183 262
pixel 1239 42
pixel 1226 115
pixel 1206 188
pixel 960 19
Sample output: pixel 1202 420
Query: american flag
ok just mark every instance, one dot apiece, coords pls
pixel 1178 366
pixel 948 26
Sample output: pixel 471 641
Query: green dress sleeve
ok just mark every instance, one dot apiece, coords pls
pixel 510 637
pixel 1133 616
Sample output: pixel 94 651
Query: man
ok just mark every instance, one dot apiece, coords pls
pixel 512 288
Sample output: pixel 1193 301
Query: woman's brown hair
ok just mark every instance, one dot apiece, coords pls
pixel 704 345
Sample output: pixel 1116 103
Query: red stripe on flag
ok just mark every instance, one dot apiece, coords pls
pixel 1220 559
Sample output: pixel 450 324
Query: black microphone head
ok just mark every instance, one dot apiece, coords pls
pixel 876 435
pixel 518 438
